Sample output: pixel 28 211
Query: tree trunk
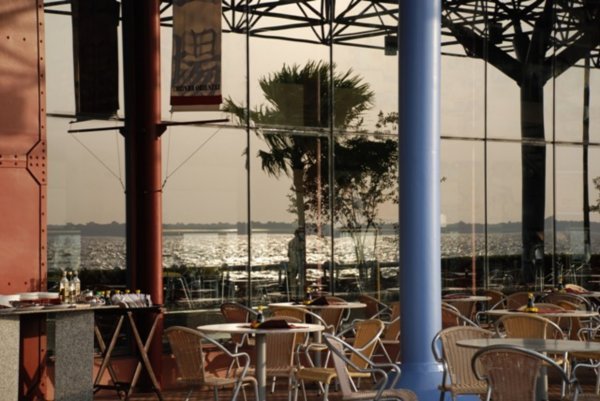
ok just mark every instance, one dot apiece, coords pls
pixel 298 178
pixel 586 138
pixel 533 160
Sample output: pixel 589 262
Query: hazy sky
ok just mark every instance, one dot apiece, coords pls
pixel 204 167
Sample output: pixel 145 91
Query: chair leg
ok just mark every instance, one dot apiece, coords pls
pixel 290 381
pixel 385 353
pixel 187 396
pixel 303 389
pixel 216 393
pixel 325 391
pixel 296 384
pixel 273 384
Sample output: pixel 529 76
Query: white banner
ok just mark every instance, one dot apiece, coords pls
pixel 196 62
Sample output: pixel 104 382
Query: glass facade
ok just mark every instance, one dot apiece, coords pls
pixel 305 195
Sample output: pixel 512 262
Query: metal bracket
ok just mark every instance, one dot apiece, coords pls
pixel 37 162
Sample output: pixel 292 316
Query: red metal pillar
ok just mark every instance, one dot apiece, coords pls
pixel 23 176
pixel 141 64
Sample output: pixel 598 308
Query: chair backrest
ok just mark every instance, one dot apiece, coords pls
pixel 281 346
pixel 527 325
pixel 392 330
pixel 562 322
pixel 457 360
pixel 511 372
pixel 236 313
pixel 556 297
pixel 367 334
pixel 497 299
pixel 452 317
pixel 517 299
pixel 333 316
pixel 186 346
pixel 373 306
pixel 298 313
pixel 340 363
pixel 395 307
pixel 573 323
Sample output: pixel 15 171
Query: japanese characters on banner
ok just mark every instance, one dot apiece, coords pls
pixel 196 62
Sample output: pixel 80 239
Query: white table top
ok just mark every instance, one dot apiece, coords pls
pixel 536 344
pixel 559 313
pixel 590 294
pixel 347 305
pixel 470 298
pixel 242 328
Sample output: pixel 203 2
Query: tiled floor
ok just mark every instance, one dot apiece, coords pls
pixel 281 394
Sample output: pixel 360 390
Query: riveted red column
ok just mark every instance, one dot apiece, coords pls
pixel 141 64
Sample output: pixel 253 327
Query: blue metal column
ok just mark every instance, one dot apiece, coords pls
pixel 420 275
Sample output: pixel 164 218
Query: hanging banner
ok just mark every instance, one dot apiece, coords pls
pixel 95 57
pixel 196 63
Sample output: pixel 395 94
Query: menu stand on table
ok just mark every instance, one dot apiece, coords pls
pixel 127 315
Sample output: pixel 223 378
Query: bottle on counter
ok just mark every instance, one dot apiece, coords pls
pixel 75 286
pixel 64 288
pixel 71 286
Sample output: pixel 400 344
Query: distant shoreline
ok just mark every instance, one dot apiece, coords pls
pixel 118 229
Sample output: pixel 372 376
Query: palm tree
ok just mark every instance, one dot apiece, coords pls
pixel 286 91
pixel 298 96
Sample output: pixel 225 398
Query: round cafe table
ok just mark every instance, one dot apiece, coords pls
pixel 261 344
pixel 558 313
pixel 345 305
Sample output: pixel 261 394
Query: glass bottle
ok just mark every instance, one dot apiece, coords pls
pixel 63 287
pixel 71 286
pixel 530 304
pixel 259 316
pixel 76 287
pixel 560 286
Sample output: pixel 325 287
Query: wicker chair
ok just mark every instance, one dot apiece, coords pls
pixel 366 339
pixel 458 378
pixel 281 349
pixel 389 342
pixel 186 345
pixel 564 323
pixel 375 309
pixel 385 388
pixel 527 325
pixel 304 315
pixel 497 301
pixel 237 313
pixel 581 302
pixel 334 316
pixel 596 368
pixel 512 372
pixel 592 360
pixel 451 317
pixel 466 308
pixel 517 299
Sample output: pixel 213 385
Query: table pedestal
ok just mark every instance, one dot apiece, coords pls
pixel 261 365
pixel 74 349
pixel 73 353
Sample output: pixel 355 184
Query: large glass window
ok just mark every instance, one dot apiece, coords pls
pixel 305 195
